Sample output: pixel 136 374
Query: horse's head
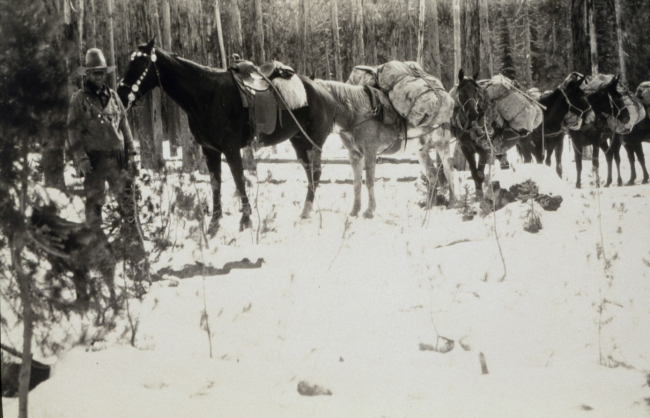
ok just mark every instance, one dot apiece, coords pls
pixel 467 97
pixel 607 100
pixel 140 76
pixel 580 110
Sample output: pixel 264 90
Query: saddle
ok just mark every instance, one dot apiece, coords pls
pixel 257 95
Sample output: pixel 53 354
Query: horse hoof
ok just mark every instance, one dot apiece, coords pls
pixel 368 215
pixel 630 183
pixel 620 182
pixel 645 181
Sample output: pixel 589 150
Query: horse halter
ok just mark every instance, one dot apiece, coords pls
pixel 136 86
pixel 465 126
pixel 571 105
pixel 616 111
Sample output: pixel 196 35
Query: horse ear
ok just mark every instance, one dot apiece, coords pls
pixel 312 77
pixel 461 75
pixel 475 76
pixel 150 45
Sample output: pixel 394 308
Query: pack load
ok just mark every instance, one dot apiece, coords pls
pixel 643 94
pixel 363 75
pixel 417 96
pixel 507 106
pixel 633 103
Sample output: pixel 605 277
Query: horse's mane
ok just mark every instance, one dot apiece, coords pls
pixel 352 97
pixel 185 61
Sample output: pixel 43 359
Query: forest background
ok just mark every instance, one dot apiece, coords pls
pixel 537 42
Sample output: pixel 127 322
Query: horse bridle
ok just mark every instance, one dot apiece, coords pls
pixel 571 105
pixel 464 126
pixel 136 86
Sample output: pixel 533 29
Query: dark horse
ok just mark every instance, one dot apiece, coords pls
pixel 606 101
pixel 467 127
pixel 220 124
pixel 567 108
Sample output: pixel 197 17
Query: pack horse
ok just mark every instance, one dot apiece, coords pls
pixel 220 122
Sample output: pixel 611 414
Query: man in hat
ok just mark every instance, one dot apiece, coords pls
pixel 99 140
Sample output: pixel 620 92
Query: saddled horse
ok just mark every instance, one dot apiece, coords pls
pixel 371 126
pixel 220 123
pixel 605 101
pixel 566 108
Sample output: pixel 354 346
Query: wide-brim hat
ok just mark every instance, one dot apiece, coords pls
pixel 95 61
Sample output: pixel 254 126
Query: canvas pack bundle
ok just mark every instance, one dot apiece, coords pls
pixel 643 93
pixel 633 104
pixel 506 104
pixel 417 96
pixel 363 75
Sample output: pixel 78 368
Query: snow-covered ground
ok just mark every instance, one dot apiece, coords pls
pixel 351 305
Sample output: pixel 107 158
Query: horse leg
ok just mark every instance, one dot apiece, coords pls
pixel 370 185
pixel 429 170
pixel 233 157
pixel 356 161
pixel 213 161
pixel 641 158
pixel 609 157
pixel 629 149
pixel 595 164
pixel 483 157
pixel 476 176
pixel 615 148
pixel 311 162
pixel 442 147
pixel 578 157
pixel 559 148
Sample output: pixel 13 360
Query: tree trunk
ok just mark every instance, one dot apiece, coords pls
pixel 527 58
pixel 335 41
pixel 619 41
pixel 302 28
pixel 80 28
pixel 358 53
pixel 485 70
pixel 236 36
pixel 170 109
pixel 111 42
pixel 24 283
pixel 472 59
pixel 156 101
pixel 593 43
pixel 432 39
pixel 53 159
pixel 258 35
pixel 457 36
pixel 421 19
pixel 222 49
pixel 93 26
pixel 579 36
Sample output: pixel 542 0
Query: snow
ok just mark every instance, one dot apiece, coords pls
pixel 344 303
